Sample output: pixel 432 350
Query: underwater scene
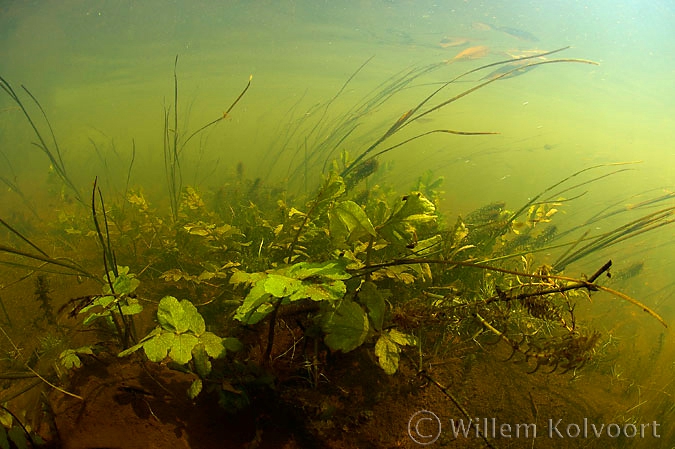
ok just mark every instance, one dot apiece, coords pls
pixel 349 224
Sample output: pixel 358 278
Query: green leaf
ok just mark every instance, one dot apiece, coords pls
pixel 281 286
pixel 158 347
pixel 93 317
pixel 321 292
pixel 193 319
pixel 213 345
pixel 179 317
pixel 201 360
pixel 346 327
pixel 401 338
pixel 169 314
pixel 125 284
pixel 374 300
pixel 181 349
pixel 242 277
pixel 401 225
pixel 70 357
pixel 195 388
pixel 256 297
pixel 132 307
pixel 333 269
pixel 232 344
pixel 349 222
pixel 388 351
pixel 332 189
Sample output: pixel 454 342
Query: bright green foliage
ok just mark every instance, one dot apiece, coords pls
pixel 70 357
pixel 123 285
pixel 181 335
pixel 388 349
pixel 315 281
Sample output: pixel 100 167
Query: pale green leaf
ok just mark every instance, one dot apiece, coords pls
pixel 328 291
pixel 388 354
pixel 170 315
pixel 158 347
pixel 213 345
pixel 401 338
pixel 181 348
pixel 192 318
pixel 281 286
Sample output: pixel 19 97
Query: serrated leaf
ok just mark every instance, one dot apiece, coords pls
pixel 242 277
pixel 181 348
pixel 346 328
pixel 169 314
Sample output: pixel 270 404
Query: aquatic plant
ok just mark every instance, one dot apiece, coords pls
pixel 337 266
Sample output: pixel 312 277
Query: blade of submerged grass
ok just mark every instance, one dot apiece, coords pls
pixel 54 155
pixel 410 116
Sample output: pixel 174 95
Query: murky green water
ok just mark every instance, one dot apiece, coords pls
pixel 103 71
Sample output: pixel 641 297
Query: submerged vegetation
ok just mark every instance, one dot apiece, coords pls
pixel 249 284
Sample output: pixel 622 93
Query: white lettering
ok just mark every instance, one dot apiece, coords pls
pixel 527 430
pixel 460 428
pixel 615 426
pixel 629 426
pixel 597 431
pixel 554 428
pixel 654 434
